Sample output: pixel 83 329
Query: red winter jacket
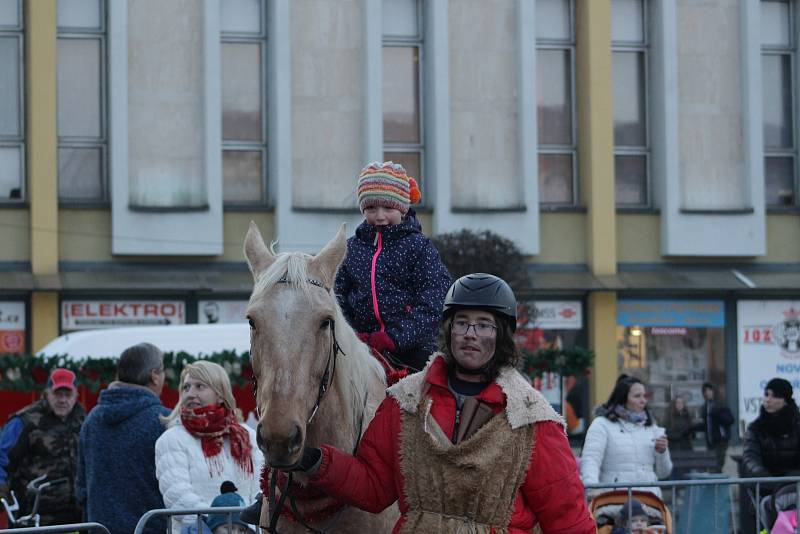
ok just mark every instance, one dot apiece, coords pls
pixel 552 493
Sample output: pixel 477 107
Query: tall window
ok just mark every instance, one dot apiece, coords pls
pixel 402 106
pixel 244 128
pixel 555 95
pixel 777 55
pixel 12 132
pixel 82 146
pixel 629 64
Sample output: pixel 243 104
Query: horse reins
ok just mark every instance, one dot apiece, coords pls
pixel 276 503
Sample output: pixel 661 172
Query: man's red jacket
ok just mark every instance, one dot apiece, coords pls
pixel 552 493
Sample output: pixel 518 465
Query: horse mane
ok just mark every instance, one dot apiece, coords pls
pixel 356 367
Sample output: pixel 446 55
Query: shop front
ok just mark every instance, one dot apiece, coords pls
pixel 673 346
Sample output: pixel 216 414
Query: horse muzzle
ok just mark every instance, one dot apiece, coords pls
pixel 281 449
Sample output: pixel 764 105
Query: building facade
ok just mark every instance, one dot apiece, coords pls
pixel 642 153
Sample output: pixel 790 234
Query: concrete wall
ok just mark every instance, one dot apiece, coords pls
pixel 15 235
pixel 710 105
pixel 483 93
pixel 326 102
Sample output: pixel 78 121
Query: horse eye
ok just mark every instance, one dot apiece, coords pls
pixel 325 324
pixel 252 325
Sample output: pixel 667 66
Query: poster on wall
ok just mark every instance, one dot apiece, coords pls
pixel 769 347
pixel 221 311
pixel 12 327
pixel 84 314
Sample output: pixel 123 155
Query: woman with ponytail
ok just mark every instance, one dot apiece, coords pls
pixel 623 443
pixel 205 444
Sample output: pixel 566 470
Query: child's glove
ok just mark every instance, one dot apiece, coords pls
pixel 381 341
pixel 363 336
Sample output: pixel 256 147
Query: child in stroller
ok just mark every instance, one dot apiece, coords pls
pixel 645 513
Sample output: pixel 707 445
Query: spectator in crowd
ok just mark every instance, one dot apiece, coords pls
pixel 772 441
pixel 205 444
pixel 623 443
pixel 42 439
pixel 716 423
pixel 116 482
pixel 679 425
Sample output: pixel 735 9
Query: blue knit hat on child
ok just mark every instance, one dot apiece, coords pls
pixel 226 500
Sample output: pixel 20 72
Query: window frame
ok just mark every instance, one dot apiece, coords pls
pixel 388 148
pixel 791 51
pixel 101 142
pixel 569 45
pixel 262 146
pixel 18 141
pixel 642 47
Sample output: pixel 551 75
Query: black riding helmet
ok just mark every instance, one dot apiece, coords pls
pixel 482 291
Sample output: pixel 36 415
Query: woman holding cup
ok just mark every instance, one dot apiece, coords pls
pixel 623 443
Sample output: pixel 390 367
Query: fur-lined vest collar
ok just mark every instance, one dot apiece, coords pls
pixel 524 405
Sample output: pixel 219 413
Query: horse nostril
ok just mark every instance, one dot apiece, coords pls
pixel 295 439
pixel 259 438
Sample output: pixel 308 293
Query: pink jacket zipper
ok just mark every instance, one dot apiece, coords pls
pixel 375 310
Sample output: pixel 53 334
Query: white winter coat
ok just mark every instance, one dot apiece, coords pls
pixel 185 479
pixel 619 451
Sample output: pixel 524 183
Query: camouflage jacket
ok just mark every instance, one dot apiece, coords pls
pixel 47 444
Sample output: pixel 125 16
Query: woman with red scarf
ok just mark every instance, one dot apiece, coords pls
pixel 205 444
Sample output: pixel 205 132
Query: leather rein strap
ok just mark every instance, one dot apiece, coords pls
pixel 276 503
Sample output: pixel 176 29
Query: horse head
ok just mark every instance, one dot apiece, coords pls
pixel 296 330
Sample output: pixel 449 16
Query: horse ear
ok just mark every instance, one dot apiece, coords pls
pixel 258 256
pixel 327 262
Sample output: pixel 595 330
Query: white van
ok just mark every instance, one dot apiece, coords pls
pixel 194 339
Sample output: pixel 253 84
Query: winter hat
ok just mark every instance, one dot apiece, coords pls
pixel 780 388
pixel 226 500
pixel 386 184
pixel 635 507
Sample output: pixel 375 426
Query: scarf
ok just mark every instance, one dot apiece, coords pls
pixel 211 424
pixel 636 418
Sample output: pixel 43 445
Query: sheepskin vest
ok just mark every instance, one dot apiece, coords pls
pixel 469 487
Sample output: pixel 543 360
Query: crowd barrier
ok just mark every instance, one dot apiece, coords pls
pixel 73 527
pixel 170 512
pixel 673 487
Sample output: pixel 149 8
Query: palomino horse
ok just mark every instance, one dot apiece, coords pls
pixel 315 381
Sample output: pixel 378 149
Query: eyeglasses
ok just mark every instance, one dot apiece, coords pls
pixel 460 328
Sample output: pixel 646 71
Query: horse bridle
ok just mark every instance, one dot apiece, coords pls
pixel 276 504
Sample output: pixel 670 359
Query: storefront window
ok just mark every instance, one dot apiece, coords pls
pixel 674 346
pixel 12 327
pixel 556 325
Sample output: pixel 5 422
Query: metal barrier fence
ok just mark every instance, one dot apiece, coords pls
pixel 72 527
pixel 170 512
pixel 674 485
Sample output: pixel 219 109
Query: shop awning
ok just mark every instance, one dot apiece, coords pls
pixel 142 278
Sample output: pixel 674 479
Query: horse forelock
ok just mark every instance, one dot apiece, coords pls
pixel 290 268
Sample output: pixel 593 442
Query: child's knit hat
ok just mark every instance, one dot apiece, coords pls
pixel 386 184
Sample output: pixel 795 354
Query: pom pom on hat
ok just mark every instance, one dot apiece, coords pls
pixel 386 184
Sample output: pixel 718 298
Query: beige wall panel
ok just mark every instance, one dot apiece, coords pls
pixel 782 232
pixel 236 224
pixel 326 102
pixel 483 92
pixel 85 235
pixel 563 238
pixel 165 98
pixel 15 235
pixel 710 103
pixel 639 238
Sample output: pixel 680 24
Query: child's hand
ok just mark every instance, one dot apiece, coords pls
pixel 381 341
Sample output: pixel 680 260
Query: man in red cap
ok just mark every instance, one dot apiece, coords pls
pixel 40 439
